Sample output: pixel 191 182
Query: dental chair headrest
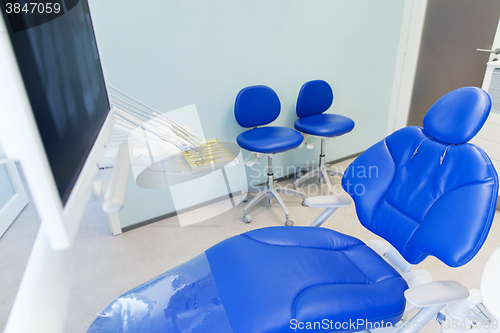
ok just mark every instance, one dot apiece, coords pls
pixel 458 116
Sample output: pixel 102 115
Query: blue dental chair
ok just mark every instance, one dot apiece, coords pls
pixel 257 106
pixel 316 97
pixel 424 190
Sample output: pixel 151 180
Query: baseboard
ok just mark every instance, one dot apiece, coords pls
pixel 147 222
pixel 178 212
pixel 209 202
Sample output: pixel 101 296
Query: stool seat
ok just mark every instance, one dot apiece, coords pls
pixel 269 276
pixel 269 140
pixel 325 124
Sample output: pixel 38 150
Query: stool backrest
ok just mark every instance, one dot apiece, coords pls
pixel 256 106
pixel 315 97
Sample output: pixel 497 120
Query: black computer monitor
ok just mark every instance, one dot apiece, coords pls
pixel 58 58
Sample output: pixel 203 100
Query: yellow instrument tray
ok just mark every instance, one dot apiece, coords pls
pixel 215 156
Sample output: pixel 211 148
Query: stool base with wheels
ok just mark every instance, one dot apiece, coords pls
pixel 321 171
pixel 270 192
pixel 258 106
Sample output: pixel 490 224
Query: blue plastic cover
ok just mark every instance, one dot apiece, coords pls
pixel 184 299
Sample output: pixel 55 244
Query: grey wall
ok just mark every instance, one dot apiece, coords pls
pixel 174 53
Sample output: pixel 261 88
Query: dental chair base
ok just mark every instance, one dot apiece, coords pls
pixel 321 171
pixel 270 192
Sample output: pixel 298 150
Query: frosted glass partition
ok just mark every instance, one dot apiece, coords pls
pixel 6 188
pixel 170 54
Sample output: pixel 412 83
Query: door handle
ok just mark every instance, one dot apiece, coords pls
pixel 496 51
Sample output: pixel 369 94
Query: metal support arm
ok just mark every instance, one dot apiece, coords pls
pixel 330 202
pixel 436 293
pixel 115 195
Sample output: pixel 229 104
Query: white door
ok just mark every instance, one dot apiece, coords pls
pixel 13 197
pixel 489 136
pixel 437 53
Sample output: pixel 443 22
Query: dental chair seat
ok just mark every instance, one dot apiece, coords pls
pixel 267 277
pixel 259 281
pixel 325 124
pixel 270 139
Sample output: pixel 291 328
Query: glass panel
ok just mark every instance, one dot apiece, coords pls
pixel 6 188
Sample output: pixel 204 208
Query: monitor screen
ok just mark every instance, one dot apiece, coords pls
pixel 57 55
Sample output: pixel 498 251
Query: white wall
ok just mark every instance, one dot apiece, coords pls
pixel 174 53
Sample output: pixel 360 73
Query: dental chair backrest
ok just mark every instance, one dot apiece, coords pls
pixel 426 190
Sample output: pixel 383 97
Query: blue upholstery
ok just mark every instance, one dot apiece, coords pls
pixel 269 140
pixel 464 109
pixel 424 196
pixel 256 106
pixel 328 125
pixel 267 277
pixel 315 97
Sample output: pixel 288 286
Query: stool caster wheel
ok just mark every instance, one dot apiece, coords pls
pixel 244 199
pixel 304 203
pixel 289 222
pixel 248 219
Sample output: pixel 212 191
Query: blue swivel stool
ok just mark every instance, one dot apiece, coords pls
pixel 434 195
pixel 256 106
pixel 316 97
